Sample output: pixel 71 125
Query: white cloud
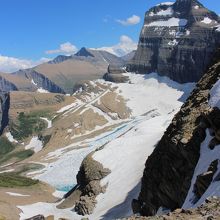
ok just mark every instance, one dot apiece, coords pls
pixel 65 48
pixel 133 20
pixel 11 64
pixel 125 46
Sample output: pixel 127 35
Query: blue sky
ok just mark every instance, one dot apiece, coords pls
pixel 31 27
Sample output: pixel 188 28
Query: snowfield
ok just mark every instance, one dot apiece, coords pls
pixel 153 101
pixel 125 157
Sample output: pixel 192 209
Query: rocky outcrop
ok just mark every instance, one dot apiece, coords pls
pixel 204 180
pixel 4 109
pixel 39 80
pixel 210 210
pixel 38 217
pixel 6 86
pixel 177 40
pixel 115 74
pixel 88 185
pixel 169 170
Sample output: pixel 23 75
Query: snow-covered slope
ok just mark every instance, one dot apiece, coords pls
pixel 153 101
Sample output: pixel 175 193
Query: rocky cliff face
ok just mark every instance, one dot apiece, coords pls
pixel 115 74
pixel 39 80
pixel 6 86
pixel 177 40
pixel 4 108
pixel 169 170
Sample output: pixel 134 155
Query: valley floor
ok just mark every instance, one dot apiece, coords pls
pixel 123 143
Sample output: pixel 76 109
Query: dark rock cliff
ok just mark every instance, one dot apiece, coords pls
pixel 39 80
pixel 177 41
pixel 209 210
pixel 7 86
pixel 4 109
pixel 115 74
pixel 169 170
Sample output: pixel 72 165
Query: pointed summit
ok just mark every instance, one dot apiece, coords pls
pixel 84 52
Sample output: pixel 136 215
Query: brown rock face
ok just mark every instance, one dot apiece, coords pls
pixel 115 74
pixel 169 170
pixel 210 210
pixel 88 186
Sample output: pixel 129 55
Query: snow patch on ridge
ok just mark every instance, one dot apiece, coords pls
pixel 165 3
pixel 10 137
pixel 41 90
pixel 206 20
pixel 206 157
pixel 172 22
pixel 214 100
pixel 16 194
pixel 35 144
pixel 49 122
pixel 168 11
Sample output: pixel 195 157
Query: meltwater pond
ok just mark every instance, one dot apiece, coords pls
pixel 61 174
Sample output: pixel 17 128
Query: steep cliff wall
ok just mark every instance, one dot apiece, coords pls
pixel 177 40
pixel 39 80
pixel 169 170
pixel 4 109
pixel 6 86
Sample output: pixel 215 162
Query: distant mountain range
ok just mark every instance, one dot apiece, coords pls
pixel 62 73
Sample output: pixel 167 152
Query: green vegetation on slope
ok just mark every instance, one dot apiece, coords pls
pixel 12 180
pixel 27 125
pixel 8 151
pixel 5 146
pixel 18 155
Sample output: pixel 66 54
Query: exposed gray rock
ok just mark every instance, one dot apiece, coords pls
pixel 4 108
pixel 182 52
pixel 7 86
pixel 40 80
pixel 115 74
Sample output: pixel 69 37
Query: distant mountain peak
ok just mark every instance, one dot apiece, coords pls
pixel 84 52
pixel 59 59
pixel 173 39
